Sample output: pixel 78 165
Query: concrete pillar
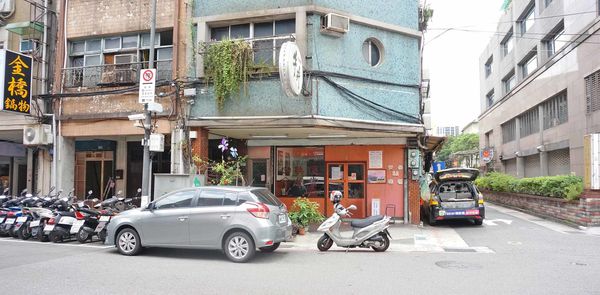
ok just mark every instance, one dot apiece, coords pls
pixel 121 164
pixel 42 172
pixel 520 167
pixel 544 163
pixel 66 164
pixel 200 143
pixel 29 171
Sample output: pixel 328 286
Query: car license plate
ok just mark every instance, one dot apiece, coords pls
pixel 10 221
pixel 76 226
pixel 34 223
pixel 104 218
pixel 442 213
pixel 21 219
pixel 49 227
pixel 282 218
pixel 472 212
pixel 455 213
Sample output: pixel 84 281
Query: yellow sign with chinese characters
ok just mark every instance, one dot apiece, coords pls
pixel 16 78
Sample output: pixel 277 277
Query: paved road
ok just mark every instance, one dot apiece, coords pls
pixel 525 255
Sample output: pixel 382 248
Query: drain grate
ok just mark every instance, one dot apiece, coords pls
pixel 459 250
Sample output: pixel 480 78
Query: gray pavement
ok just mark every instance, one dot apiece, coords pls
pixel 512 253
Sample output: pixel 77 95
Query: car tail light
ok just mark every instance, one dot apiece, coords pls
pixel 269 243
pixel 259 210
pixel 51 221
pixel 79 216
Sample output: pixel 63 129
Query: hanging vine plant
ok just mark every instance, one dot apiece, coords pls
pixel 227 65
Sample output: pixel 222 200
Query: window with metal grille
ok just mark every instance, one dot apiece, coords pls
pixel 488 66
pixel 490 98
pixel 529 122
pixel 507 43
pixel 592 92
pixel 509 82
pixel 509 130
pixel 556 110
pixel 529 63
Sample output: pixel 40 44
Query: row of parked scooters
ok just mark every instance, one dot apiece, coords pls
pixel 58 218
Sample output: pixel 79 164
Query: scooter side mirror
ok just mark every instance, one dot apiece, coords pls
pixel 352 207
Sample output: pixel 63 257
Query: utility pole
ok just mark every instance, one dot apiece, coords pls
pixel 148 120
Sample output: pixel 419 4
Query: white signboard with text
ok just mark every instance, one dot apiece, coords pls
pixel 147 85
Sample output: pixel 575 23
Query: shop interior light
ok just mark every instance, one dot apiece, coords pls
pixel 326 135
pixel 269 136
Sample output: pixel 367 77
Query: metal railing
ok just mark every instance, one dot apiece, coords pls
pixel 113 74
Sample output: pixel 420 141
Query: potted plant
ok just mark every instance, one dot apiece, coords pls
pixel 303 213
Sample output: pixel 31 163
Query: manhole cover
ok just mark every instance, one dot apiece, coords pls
pixel 449 264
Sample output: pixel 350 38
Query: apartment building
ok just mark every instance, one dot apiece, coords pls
pixel 102 48
pixel 539 78
pixel 355 118
pixel 26 33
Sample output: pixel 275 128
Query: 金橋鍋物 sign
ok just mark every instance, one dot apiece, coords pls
pixel 15 76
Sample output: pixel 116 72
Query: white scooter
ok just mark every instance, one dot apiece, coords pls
pixel 370 232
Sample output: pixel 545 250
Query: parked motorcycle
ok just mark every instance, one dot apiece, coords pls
pixel 58 228
pixel 371 232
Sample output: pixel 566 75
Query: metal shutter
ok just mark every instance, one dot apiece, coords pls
pixel 559 162
pixel 532 166
pixel 592 92
pixel 510 167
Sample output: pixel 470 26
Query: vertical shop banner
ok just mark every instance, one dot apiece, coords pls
pixel 15 76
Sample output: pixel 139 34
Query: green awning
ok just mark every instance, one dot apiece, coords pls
pixel 26 28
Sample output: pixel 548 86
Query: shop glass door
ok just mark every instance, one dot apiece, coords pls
pixel 348 178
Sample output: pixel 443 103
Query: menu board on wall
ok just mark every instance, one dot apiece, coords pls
pixel 375 159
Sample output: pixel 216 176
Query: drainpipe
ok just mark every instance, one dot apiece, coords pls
pixel 406 186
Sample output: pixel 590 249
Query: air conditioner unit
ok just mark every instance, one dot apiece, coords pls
pixel 335 23
pixel 125 59
pixel 39 134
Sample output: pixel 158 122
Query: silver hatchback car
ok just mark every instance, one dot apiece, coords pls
pixel 237 220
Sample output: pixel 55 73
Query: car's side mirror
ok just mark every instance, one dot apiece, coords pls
pixel 150 206
pixel 352 207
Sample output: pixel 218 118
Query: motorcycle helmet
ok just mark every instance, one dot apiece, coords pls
pixel 335 196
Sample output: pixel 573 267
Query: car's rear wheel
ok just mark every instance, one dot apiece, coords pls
pixel 239 247
pixel 269 249
pixel 430 219
pixel 478 221
pixel 128 242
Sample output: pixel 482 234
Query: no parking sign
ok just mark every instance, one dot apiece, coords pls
pixel 147 85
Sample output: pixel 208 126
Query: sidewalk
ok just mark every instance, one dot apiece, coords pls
pixel 405 238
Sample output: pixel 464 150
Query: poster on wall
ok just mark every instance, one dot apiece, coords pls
pixel 280 166
pixel 375 159
pixel 375 207
pixel 376 176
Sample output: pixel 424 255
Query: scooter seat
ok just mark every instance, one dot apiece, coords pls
pixel 366 222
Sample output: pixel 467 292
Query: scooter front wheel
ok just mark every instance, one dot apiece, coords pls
pixel 324 243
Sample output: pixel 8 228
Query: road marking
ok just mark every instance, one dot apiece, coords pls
pixel 11 240
pixel 492 222
pixel 557 227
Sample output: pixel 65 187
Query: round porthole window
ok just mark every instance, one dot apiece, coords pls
pixel 372 51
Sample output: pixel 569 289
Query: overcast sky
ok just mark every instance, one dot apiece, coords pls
pixel 453 58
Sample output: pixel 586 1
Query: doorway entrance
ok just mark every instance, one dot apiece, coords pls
pixel 348 178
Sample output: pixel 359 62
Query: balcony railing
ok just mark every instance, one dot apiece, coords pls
pixel 113 74
pixel 265 49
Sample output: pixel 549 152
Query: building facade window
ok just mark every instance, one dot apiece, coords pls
pixel 489 98
pixel 556 110
pixel 117 59
pixel 266 37
pixel 527 20
pixel 27 45
pixel 547 2
pixel 592 92
pixel 507 43
pixel 529 64
pixel 529 122
pixel 509 131
pixel 488 66
pixel 300 172
pixel 372 50
pixel 509 82
pixel 555 40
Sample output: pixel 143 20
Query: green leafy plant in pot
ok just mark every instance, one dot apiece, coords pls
pixel 303 213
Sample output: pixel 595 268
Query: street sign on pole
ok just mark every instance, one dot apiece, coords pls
pixel 147 85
